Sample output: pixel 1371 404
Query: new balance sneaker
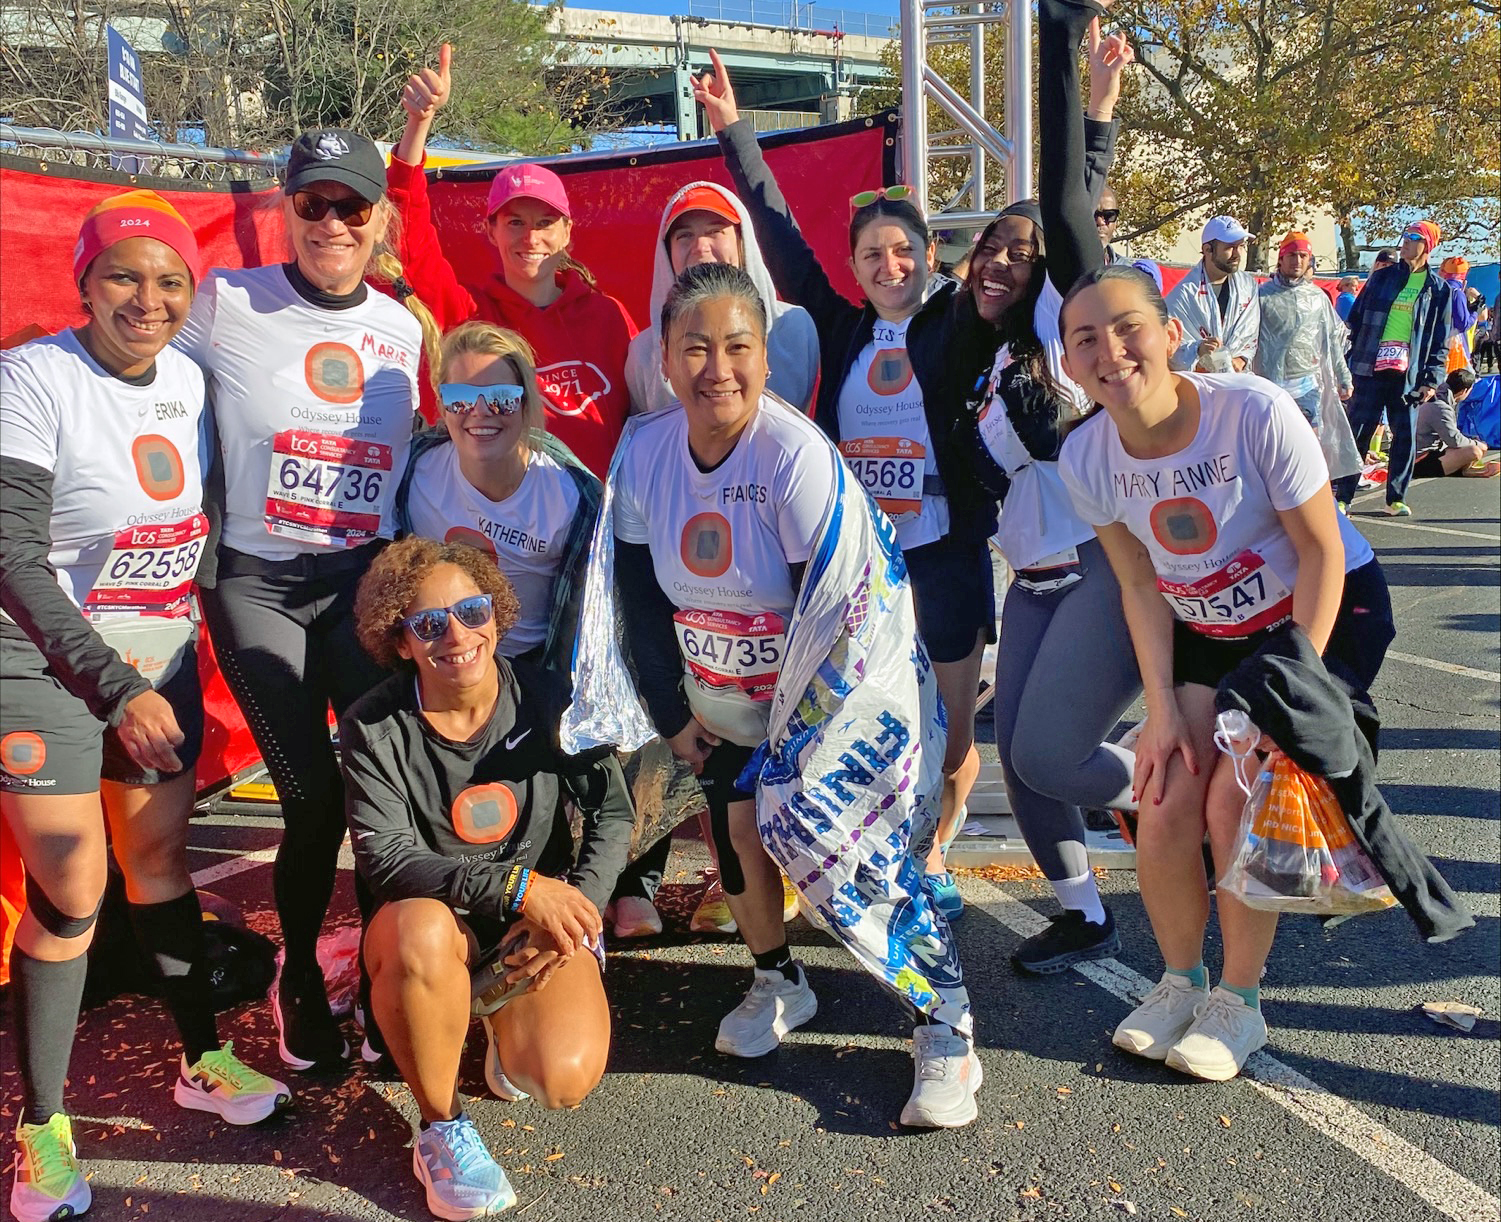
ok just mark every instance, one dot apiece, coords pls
pixel 773 1007
pixel 636 917
pixel 1068 939
pixel 1398 509
pixel 944 892
pixel 307 1035
pixel 495 1075
pixel 220 1082
pixel 461 1178
pixel 947 1075
pixel 1159 1022
pixel 713 913
pixel 1224 1033
pixel 49 1184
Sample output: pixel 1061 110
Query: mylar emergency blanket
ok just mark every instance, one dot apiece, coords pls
pixel 847 785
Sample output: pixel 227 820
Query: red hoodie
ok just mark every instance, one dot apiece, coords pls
pixel 580 339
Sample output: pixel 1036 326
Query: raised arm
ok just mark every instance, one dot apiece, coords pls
pixel 795 269
pixel 1067 207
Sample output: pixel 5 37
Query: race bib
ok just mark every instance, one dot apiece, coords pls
pixel 151 569
pixel 1241 599
pixel 1392 355
pixel 890 469
pixel 728 649
pixel 327 489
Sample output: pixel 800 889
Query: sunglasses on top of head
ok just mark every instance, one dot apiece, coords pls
pixel 864 199
pixel 353 211
pixel 428 626
pixel 502 399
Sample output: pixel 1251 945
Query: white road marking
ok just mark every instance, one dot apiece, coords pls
pixel 1377 520
pixel 249 861
pixel 1442 1187
pixel 1452 668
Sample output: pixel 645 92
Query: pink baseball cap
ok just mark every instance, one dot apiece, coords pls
pixel 527 181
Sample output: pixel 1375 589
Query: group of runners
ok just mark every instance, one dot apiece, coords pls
pixel 248 435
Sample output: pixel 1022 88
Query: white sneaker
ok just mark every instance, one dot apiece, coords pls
pixel 1162 1018
pixel 495 1076
pixel 1224 1033
pixel 948 1074
pixel 636 917
pixel 773 1006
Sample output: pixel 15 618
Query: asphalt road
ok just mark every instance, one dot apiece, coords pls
pixel 1360 1107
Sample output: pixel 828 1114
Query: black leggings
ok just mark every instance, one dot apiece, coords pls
pixel 284 635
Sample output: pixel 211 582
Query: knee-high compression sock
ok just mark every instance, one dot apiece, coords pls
pixel 48 996
pixel 303 882
pixel 171 936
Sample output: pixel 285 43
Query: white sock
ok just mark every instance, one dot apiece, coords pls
pixel 1081 895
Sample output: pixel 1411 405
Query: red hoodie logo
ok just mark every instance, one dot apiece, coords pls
pixel 572 386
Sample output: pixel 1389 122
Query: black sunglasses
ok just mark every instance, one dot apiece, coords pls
pixel 353 211
pixel 429 626
pixel 1108 215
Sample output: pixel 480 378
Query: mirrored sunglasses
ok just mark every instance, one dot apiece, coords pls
pixel 1412 235
pixel 353 211
pixel 460 398
pixel 429 626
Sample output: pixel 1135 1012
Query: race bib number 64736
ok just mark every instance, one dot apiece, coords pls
pixel 327 489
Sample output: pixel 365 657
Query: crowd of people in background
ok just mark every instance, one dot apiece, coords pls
pixel 758 529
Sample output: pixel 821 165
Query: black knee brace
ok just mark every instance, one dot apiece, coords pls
pixel 56 922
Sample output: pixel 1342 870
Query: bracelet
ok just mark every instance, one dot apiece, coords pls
pixel 508 892
pixel 518 902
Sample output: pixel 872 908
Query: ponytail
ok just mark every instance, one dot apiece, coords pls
pixel 385 265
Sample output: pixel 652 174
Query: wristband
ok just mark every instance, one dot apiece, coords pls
pixel 508 892
pixel 519 899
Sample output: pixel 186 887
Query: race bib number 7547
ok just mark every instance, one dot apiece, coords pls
pixel 1239 600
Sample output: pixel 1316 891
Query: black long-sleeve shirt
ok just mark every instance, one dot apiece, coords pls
pixel 435 819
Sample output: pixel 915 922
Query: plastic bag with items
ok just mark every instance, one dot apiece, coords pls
pixel 1295 851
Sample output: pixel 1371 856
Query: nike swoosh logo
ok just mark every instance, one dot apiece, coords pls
pixel 511 742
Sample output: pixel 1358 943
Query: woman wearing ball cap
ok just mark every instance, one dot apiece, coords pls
pixel 314 381
pixel 101 531
pixel 580 335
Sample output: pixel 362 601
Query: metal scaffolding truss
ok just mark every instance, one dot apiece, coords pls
pixel 927 24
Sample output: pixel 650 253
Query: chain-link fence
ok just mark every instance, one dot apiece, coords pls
pixel 187 162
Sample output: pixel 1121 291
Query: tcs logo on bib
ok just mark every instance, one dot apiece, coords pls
pixel 1184 526
pixel 22 753
pixel 706 549
pixel 158 467
pixel 334 373
pixel 484 814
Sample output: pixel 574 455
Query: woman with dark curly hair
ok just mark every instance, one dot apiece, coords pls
pixel 455 785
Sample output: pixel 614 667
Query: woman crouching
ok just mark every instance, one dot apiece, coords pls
pixel 455 787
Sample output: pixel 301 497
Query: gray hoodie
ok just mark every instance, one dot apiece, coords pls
pixel 791 343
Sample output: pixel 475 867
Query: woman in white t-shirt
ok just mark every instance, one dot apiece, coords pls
pixel 314 385
pixel 719 500
pixel 101 716
pixel 1211 497
pixel 493 478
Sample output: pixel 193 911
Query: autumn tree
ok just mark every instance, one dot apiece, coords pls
pixel 1272 111
pixel 253 73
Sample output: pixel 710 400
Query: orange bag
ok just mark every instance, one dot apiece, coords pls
pixel 1457 357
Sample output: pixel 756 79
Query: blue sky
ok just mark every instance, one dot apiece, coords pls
pixel 775 10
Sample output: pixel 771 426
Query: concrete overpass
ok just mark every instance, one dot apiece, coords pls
pixel 651 60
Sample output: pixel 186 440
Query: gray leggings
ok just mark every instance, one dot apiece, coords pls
pixel 1065 672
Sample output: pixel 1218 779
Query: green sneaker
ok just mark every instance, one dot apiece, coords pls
pixel 49 1184
pixel 221 1083
pixel 1398 509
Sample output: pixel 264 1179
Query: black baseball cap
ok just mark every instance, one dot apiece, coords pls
pixel 332 154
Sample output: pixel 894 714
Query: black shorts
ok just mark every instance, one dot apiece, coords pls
pixel 51 744
pixel 953 593
pixel 725 763
pixel 1206 660
pixel 1430 464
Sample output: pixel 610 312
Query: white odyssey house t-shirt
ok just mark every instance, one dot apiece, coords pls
pixel 1208 514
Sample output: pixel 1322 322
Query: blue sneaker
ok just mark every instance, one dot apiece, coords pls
pixel 461 1179
pixel 944 892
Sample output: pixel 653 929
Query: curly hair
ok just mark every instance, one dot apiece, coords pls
pixel 388 587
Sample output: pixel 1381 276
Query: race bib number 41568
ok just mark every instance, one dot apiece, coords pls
pixel 890 469
pixel 1241 599
pixel 327 489
pixel 732 649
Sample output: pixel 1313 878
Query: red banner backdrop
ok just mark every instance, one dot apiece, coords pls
pixel 617 200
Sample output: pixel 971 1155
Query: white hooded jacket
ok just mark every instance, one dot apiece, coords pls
pixel 1195 303
pixel 791 341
